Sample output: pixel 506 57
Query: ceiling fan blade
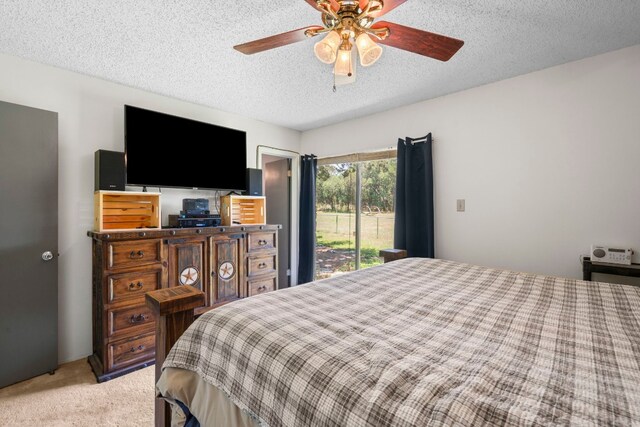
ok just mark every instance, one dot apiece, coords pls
pixel 334 4
pixel 388 6
pixel 275 41
pixel 421 42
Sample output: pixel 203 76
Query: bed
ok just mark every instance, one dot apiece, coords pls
pixel 414 342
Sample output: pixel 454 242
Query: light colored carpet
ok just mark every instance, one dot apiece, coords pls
pixel 72 397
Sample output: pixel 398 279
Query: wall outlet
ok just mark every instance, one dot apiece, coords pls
pixel 460 205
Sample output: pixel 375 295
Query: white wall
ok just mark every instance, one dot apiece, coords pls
pixel 548 162
pixel 90 118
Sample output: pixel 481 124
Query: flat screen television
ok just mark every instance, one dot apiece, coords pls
pixel 168 151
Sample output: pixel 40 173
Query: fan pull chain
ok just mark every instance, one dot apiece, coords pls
pixel 334 83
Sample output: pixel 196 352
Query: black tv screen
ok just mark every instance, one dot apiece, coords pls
pixel 169 151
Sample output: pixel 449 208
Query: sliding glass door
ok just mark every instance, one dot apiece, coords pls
pixel 378 183
pixel 354 211
pixel 335 219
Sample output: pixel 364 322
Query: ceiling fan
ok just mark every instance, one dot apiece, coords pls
pixel 345 21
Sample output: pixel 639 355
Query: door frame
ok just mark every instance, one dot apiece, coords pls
pixel 294 190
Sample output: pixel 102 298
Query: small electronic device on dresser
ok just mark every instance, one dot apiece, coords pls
pixel 195 207
pixel 177 221
pixel 609 255
pixel 194 213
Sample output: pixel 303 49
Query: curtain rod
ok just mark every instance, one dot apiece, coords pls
pixel 421 139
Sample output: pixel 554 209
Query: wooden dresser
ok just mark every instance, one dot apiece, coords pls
pixel 226 263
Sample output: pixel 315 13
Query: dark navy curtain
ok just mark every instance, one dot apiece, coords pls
pixel 307 240
pixel 413 229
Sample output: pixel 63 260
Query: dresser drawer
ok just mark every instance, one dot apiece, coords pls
pixel 260 286
pixel 261 265
pixel 129 318
pixel 127 286
pixel 131 254
pixel 130 351
pixel 261 241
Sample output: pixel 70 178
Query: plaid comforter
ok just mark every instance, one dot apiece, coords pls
pixel 420 342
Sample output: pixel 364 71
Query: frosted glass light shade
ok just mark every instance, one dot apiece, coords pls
pixel 344 64
pixel 345 80
pixel 326 48
pixel 340 79
pixel 368 50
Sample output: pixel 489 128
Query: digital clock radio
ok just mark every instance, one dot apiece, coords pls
pixel 611 255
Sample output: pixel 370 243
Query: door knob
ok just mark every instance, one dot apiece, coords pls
pixel 47 256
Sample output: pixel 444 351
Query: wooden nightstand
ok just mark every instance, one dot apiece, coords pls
pixel 589 267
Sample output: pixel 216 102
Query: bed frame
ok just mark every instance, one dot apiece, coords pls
pixel 174 312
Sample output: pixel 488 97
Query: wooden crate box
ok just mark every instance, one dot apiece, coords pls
pixel 126 210
pixel 236 210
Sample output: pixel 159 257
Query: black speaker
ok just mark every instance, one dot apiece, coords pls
pixel 109 170
pixel 254 182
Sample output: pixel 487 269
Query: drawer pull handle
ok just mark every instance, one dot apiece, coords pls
pixel 137 318
pixel 135 286
pixel 262 288
pixel 262 242
pixel 136 255
pixel 262 265
pixel 134 349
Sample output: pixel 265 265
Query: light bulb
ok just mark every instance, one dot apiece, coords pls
pixel 326 48
pixel 368 50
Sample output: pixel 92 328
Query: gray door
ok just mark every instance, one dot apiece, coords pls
pixel 28 229
pixel 277 184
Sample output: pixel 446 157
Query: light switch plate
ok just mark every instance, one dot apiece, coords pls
pixel 460 205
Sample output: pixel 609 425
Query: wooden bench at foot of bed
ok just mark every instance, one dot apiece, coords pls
pixel 174 312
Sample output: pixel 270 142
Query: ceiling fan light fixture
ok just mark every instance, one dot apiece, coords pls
pixel 326 49
pixel 347 21
pixel 369 51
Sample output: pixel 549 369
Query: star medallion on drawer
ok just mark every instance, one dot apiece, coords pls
pixel 226 270
pixel 189 276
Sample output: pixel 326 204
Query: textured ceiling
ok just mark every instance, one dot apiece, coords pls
pixel 184 49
